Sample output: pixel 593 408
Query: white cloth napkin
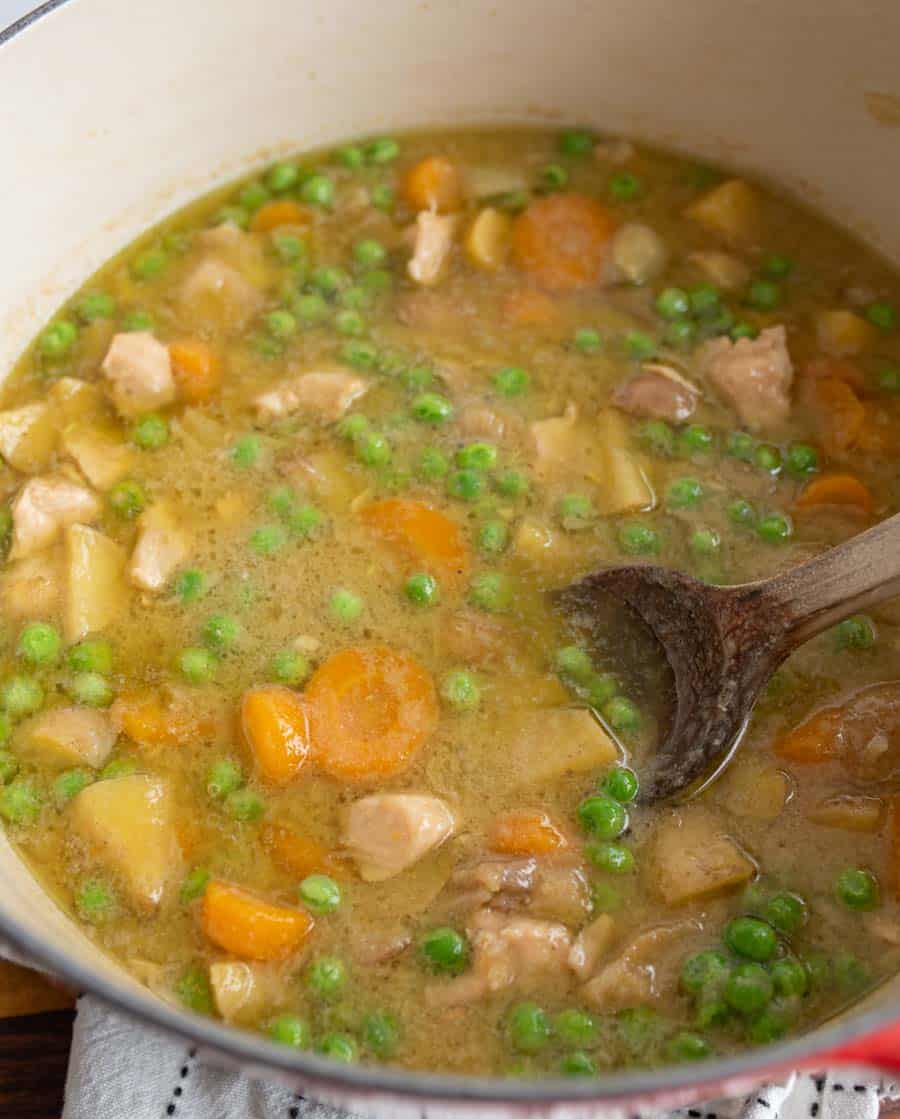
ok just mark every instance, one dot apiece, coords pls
pixel 121 1069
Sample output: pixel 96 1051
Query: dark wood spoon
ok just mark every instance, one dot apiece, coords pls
pixel 723 643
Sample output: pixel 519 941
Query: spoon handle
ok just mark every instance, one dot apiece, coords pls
pixel 859 573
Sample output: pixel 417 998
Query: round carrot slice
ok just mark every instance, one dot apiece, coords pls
pixel 526 833
pixel 371 709
pixel 433 184
pixel 197 370
pixel 248 927
pixel 283 211
pixel 422 536
pixel 560 240
pixel 836 489
pixel 276 727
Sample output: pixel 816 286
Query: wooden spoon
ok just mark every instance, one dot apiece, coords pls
pixel 723 643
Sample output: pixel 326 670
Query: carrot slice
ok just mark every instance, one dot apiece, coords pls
pixel 525 833
pixel 145 719
pixel 818 739
pixel 561 240
pixel 836 412
pixel 276 726
pixel 197 370
pixel 836 489
pixel 527 307
pixel 422 536
pixel 433 184
pixel 283 211
pixel 838 369
pixel 298 854
pixel 371 709
pixel 249 927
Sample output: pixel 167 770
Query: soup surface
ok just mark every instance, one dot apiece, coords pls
pixel 290 724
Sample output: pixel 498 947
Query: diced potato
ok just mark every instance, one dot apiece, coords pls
pixel 487 240
pixel 485 181
pixel 844 333
pixel 72 400
pixel 99 453
pixel 96 592
pixel 28 437
pixel 625 484
pixel 31 587
pixel 722 269
pixel 730 209
pixel 755 790
pixel 851 813
pixel 236 990
pixel 692 859
pixel 550 742
pixel 324 475
pixel 128 824
pixel 66 736
pixel 638 253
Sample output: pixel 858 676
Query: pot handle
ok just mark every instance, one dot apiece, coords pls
pixel 880 1050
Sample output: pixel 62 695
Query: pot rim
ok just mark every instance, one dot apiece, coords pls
pixel 363 1080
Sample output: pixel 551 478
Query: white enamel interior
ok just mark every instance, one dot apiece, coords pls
pixel 113 113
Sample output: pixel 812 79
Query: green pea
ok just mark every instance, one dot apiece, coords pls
pixel 599 688
pixel 246 451
pixel 712 1010
pixel 351 156
pixel 253 196
pixel 127 500
pixel 512 380
pixel 291 1030
pixel 465 485
pixel 383 150
pixel 376 282
pixel 21 696
pixel 6 525
pixel 326 977
pixel 578 1064
pixel 369 253
pixel 329 280
pixel 602 816
pixel 681 333
pixel 785 912
pixel 576 142
pixel 118 767
pixel 310 308
pixel 741 445
pixel 492 592
pixel 149 265
pixel 190 585
pixel 432 465
pixel 857 889
pixel 282 177
pixel 605 898
pixel 639 345
pixel 353 426
pixel 20 801
pixel 220 632
pixel 9 763
pixel 138 320
pixel 705 301
pixel 194 886
pixel 361 355
pixel 382 196
pixel 639 1028
pixel 740 512
pixel 573 662
pixel 801 460
pixel 767 457
pixel 851 974
pixel 197 666
pixel 658 437
pixel 350 323
pixel 624 187
pixel 575 1027
pixel 705 542
pixel 373 449
pixel 345 606
pixel 857 632
pixel 684 493
pixel 637 539
pixel 611 857
pixel 512 483
pixel 553 177
pixel 39 644
pixel 576 511
pixel 529 1027
pixel 695 440
pixel 381 1033
pixel 789 977
pixel 444 950
pixel 477 456
pixel 223 777
pixel 355 298
pixel 70 784
pixel 96 305
pixel 777 266
pixel 230 215
pixel 281 324
pixel 194 991
pixel 318 190
pixel 461 689
pixel 673 303
pixel 417 379
pixel 422 589
pixel 244 805
pixel 775 528
pixel 882 315
pixel 749 988
pixel 289 667
pixel 687 1046
pixel 621 783
pixel 95 902
pixel 431 408
pixel 493 536
pixel 767 1027
pixel 150 432
pixel 704 970
pixel 320 894
pixel 764 295
pixel 752 938
pixel 268 540
pixel 339 1047
pixel 587 340
pixel 621 714
pixel 513 201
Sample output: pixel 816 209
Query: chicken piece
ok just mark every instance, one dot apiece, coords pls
pixel 162 546
pixel 138 370
pixel 478 884
pixel 634 977
pixel 561 892
pixel 96 593
pixel 66 736
pixel 31 587
pixel 658 392
pixel 480 421
pixel 28 436
pixel 637 254
pixel 431 247
pixel 323 475
pixel 386 833
pixel 128 824
pixel 99 453
pixel 547 743
pixel 472 637
pixel 325 394
pixel 692 859
pixel 506 952
pixel 372 947
pixel 43 508
pixel 754 375
pixel 591 945
pixel 438 312
pixel 216 293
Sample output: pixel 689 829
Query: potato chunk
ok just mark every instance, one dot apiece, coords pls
pixel 843 333
pixel 31 587
pixel 128 824
pixel 238 993
pixel 730 209
pixel 162 546
pixel 693 859
pixel 552 741
pixel 96 593
pixel 28 437
pixel 67 736
pixel 99 453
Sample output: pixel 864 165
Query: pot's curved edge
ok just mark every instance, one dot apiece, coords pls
pixel 370 1088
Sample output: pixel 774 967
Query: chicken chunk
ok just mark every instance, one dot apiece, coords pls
pixel 215 292
pixel 658 392
pixel 138 370
pixel 753 375
pixel 326 394
pixel 506 952
pixel 43 508
pixel 635 976
pixel 386 833
pixel 67 736
pixel 637 254
pixel 480 421
pixel 591 945
pixel 692 859
pixel 162 546
pixel 431 247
